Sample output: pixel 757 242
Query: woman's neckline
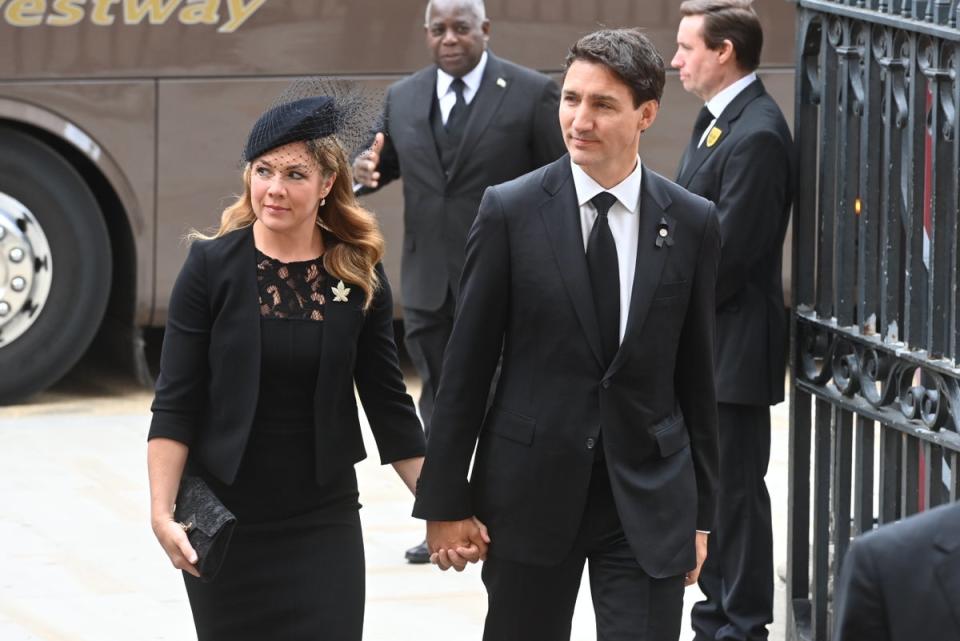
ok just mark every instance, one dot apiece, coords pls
pixel 287 262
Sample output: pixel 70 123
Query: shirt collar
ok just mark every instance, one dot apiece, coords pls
pixel 471 79
pixel 626 191
pixel 718 103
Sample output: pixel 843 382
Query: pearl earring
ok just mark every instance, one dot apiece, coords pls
pixel 323 201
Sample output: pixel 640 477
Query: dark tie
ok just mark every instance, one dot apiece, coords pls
pixel 458 115
pixel 605 275
pixel 704 118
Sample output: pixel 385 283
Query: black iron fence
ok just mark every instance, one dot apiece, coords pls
pixel 876 323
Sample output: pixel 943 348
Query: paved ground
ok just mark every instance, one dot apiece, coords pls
pixel 79 561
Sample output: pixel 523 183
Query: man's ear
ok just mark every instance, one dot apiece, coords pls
pixel 648 113
pixel 726 52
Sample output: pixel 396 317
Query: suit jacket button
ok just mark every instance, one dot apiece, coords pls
pixel 606 384
pixel 590 442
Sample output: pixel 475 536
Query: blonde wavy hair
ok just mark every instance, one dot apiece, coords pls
pixel 353 243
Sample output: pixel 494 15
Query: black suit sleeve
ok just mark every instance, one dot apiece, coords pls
pixel 753 193
pixel 547 136
pixel 471 357
pixel 694 381
pixel 181 392
pixel 379 381
pixel 858 608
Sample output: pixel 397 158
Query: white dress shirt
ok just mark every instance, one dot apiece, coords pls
pixel 718 103
pixel 624 225
pixel 471 80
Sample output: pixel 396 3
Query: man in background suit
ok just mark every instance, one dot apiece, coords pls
pixel 739 157
pixel 902 582
pixel 597 276
pixel 468 121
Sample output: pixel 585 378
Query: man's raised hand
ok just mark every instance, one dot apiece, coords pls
pixel 365 166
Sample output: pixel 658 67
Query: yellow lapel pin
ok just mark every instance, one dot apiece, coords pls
pixel 713 137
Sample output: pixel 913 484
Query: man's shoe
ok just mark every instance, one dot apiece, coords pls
pixel 418 554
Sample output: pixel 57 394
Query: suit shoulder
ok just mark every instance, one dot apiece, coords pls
pixel 764 114
pixel 528 185
pixel 687 200
pixel 912 533
pixel 219 248
pixel 528 181
pixel 525 73
pixel 409 83
pixel 893 550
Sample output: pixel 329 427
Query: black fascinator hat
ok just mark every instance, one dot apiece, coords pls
pixel 312 108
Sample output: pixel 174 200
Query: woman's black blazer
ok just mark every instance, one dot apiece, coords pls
pixel 206 394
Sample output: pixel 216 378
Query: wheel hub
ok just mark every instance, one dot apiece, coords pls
pixel 26 269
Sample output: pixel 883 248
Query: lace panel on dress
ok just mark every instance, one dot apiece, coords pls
pixel 290 290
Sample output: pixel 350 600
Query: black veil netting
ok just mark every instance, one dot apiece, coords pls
pixel 317 107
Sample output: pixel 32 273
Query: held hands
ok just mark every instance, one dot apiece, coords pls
pixel 175 543
pixel 453 544
pixel 694 574
pixel 365 166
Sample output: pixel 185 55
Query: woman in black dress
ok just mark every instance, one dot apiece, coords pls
pixel 272 321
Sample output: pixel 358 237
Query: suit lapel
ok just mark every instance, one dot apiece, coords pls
pixel 340 320
pixel 493 87
pixel 724 123
pixel 947 558
pixel 654 202
pixel 424 96
pixel 561 218
pixel 244 264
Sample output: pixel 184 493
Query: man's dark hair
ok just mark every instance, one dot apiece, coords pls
pixel 733 20
pixel 627 53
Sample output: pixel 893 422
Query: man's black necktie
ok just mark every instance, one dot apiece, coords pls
pixel 457 118
pixel 605 275
pixel 704 118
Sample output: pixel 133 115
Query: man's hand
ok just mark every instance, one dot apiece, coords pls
pixel 701 557
pixel 453 544
pixel 365 166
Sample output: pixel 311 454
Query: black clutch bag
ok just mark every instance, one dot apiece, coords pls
pixel 207 522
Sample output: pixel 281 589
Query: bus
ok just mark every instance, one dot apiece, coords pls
pixel 122 124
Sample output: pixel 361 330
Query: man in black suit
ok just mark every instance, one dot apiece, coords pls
pixel 468 121
pixel 902 582
pixel 597 278
pixel 739 157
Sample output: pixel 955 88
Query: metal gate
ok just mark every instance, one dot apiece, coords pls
pixel 875 404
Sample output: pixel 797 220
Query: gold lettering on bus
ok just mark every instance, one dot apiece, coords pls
pixel 239 12
pixel 200 13
pixel 67 13
pixel 101 12
pixel 160 11
pixel 25 12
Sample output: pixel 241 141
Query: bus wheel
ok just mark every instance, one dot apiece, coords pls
pixel 55 266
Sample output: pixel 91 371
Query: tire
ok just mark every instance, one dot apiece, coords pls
pixel 50 221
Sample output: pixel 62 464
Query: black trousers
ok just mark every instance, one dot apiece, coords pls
pixel 737 577
pixel 534 603
pixel 425 335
